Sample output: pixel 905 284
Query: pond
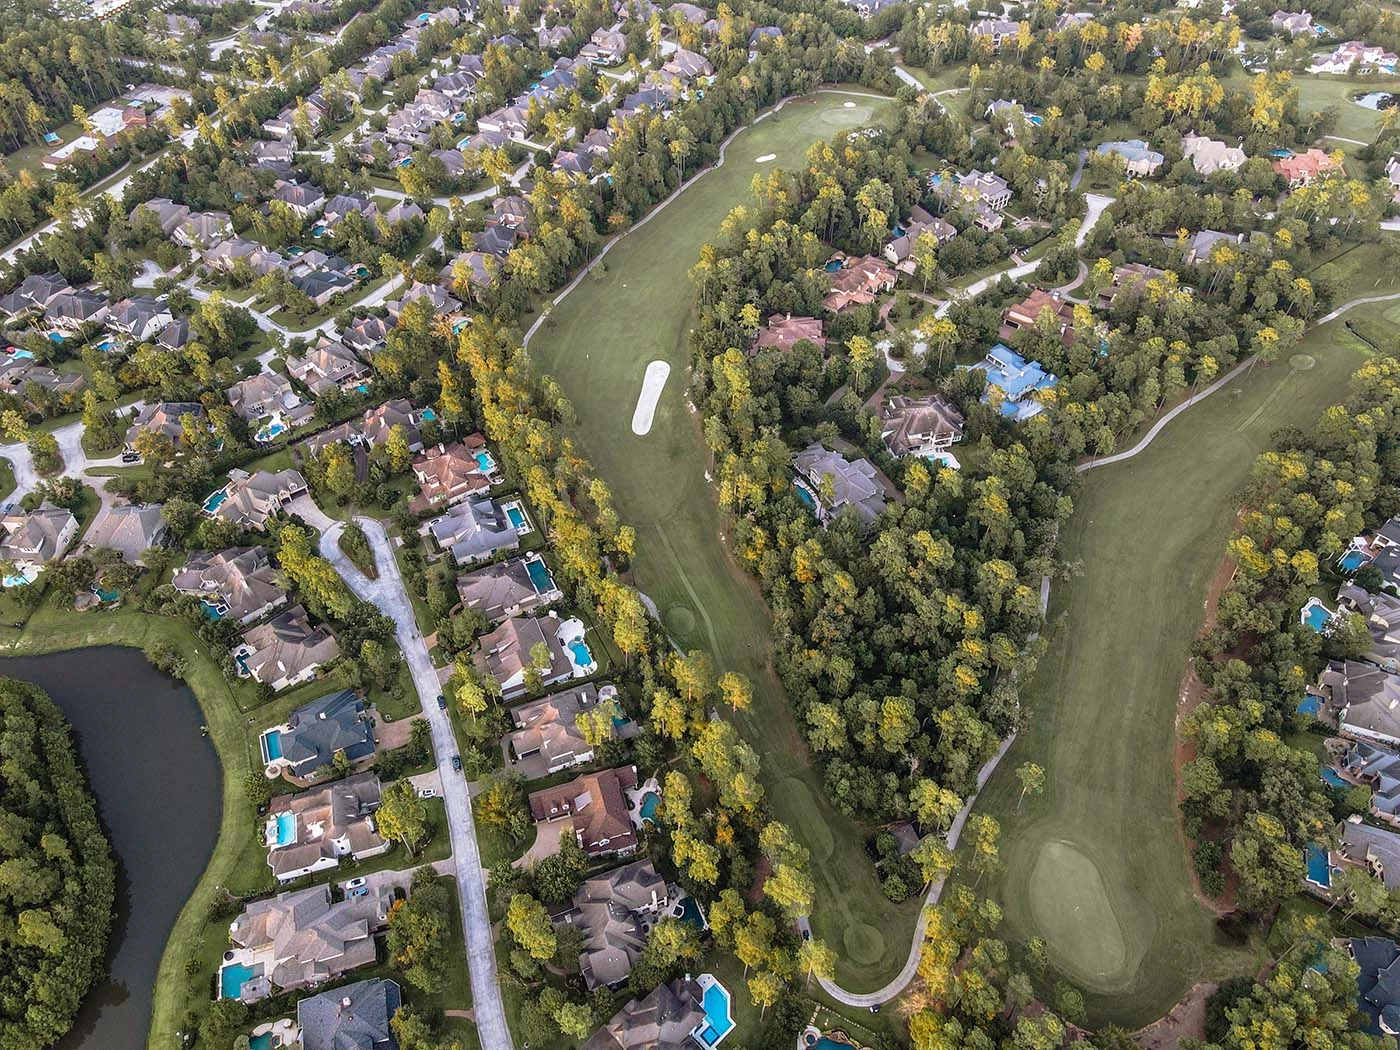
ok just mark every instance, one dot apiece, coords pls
pixel 159 786
pixel 1375 99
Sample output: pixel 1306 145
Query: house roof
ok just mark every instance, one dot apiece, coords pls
pixel 310 939
pixel 1378 983
pixel 35 536
pixel 547 725
pixel 853 482
pixel 327 822
pixel 241 578
pixel 504 653
pixel 614 912
pixel 784 331
pixel 355 1017
pixel 598 805
pixel 331 723
pixel 251 499
pixel 130 529
pixel 499 587
pixel 1377 849
pixel 908 424
pixel 474 529
pixel 663 1020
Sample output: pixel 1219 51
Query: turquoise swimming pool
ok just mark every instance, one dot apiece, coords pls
pixel 271 744
pixel 1309 705
pixel 581 654
pixel 1319 871
pixel 718 1020
pixel 269 431
pixel 832 265
pixel 57 337
pixel 215 501
pixel 1352 560
pixel 286 828
pixel 231 979
pixel 691 914
pixel 516 516
pixel 484 462
pixel 1316 616
pixel 649 803
pixel 1332 778
pixel 429 415
pixel 539 575
pixel 261 1042
pixel 210 609
pixel 805 496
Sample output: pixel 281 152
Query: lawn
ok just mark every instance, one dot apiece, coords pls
pixel 598 343
pixel 1096 864
pixel 1323 92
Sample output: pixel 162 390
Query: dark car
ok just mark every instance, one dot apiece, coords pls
pixel 442 702
pixel 131 457
pixel 457 763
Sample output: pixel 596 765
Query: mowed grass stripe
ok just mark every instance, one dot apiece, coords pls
pixel 598 343
pixel 1102 848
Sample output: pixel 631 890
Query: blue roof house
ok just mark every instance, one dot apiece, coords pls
pixel 1016 380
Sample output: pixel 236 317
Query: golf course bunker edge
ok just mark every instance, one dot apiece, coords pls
pixel 1074 915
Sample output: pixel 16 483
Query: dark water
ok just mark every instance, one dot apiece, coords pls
pixel 159 786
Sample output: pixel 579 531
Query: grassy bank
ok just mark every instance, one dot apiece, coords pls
pixel 598 343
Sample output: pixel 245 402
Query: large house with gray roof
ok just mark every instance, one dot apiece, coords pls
pixel 505 654
pixel 130 529
pixel 34 538
pixel 355 1017
pixel 1362 845
pixel 286 650
pixel 237 584
pixel 313 830
pixel 615 912
pixel 1378 983
pixel 302 938
pixel 663 1020
pixel 1367 699
pixel 252 500
pixel 474 530
pixel 832 483
pixel 315 732
pixel 1379 769
pixel 548 727
pixel 508 588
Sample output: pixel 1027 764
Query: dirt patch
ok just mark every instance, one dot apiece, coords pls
pixel 1185 1020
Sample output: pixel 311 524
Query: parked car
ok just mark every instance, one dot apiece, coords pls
pixel 442 702
pixel 131 457
pixel 427 792
pixel 457 763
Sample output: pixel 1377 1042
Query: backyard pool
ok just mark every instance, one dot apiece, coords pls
pixel 1332 778
pixel 805 495
pixel 484 462
pixel 211 610
pixel 1309 705
pixel 429 415
pixel 106 595
pixel 319 230
pixel 516 516
pixel 1352 560
pixel 22 355
pixel 832 265
pixel 1315 615
pixel 20 579
pixel 581 655
pixel 261 1042
pixel 286 829
pixel 269 431
pixel 539 575
pixel 106 346
pixel 691 914
pixel 1319 871
pixel 215 501
pixel 718 1022
pixel 649 803
pixel 231 979
pixel 272 745
pixel 56 337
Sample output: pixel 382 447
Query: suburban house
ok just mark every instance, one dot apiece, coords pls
pixel 508 588
pixel 164 417
pixel 33 294
pixel 1197 247
pixel 547 727
pixel 615 912
pixel 1012 382
pixel 1379 769
pixel 130 529
pixel 783 332
pixel 473 530
pixel 859 282
pixel 688 65
pixel 1377 850
pixel 237 584
pixel 366 335
pixel 70 310
pixel 203 229
pixel 355 1017
pixel 374 427
pixel 1367 699
pixel 1127 279
pixel 997 30
pixel 314 732
pixel 313 830
pixel 597 803
pixel 167 213
pixel 1355 54
pixel 139 318
pixel 985 193
pixel 920 426
pixel 1382 615
pixel 34 538
pixel 1293 23
pixel 299 939
pixel 761 34
pixel 663 1020
pixel 1385 551
pixel 1378 983
pixel 286 650
pixel 831 483
pixel 329 365
pixel 1211 155
pixel 250 500
pixel 448 473
pixel 900 249
pixel 505 653
pixel 1299 169
pixel 266 394
pixel 1027 314
pixel 1139 160
pixel 606 47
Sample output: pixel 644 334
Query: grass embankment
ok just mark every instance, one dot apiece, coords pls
pixel 1096 865
pixel 598 343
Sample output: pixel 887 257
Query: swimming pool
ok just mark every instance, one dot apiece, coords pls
pixel 269 431
pixel 832 265
pixel 1319 871
pixel 429 415
pixel 1332 778
pixel 1309 705
pixel 539 575
pixel 649 803
pixel 211 610
pixel 319 230
pixel 261 1042
pixel 242 660
pixel 362 387
pixel 516 516
pixel 1315 615
pixel 214 501
pixel 231 979
pixel 805 495
pixel 1352 560
pixel 23 355
pixel 106 345
pixel 20 579
pixel 484 462
pixel 57 337
pixel 691 914
pixel 718 1021
pixel 272 745
pixel 580 654
pixel 108 595
pixel 286 829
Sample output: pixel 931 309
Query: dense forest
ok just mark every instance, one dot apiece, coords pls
pixel 57 873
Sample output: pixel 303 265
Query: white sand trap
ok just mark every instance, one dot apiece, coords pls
pixel 765 158
pixel 848 105
pixel 652 383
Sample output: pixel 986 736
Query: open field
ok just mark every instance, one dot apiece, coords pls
pixel 1096 865
pixel 1326 92
pixel 598 344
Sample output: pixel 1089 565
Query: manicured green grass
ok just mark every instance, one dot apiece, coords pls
pixel 598 343
pixel 1096 865
pixel 1323 92
pixel 7 478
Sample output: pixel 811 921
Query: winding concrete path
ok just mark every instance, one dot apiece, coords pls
pixel 388 594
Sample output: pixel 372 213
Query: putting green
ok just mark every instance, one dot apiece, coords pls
pixel 680 621
pixel 864 944
pixel 1071 906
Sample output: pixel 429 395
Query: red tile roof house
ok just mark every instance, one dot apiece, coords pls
pixel 448 473
pixel 598 805
pixel 859 281
pixel 1027 312
pixel 1301 168
pixel 784 331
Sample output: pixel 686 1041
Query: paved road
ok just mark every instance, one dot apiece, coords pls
pixel 1097 204
pixel 388 594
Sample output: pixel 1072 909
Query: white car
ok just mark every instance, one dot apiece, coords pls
pixel 427 792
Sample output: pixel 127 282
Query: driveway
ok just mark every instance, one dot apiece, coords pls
pixel 388 594
pixel 547 842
